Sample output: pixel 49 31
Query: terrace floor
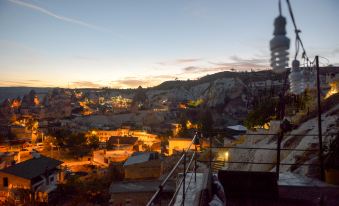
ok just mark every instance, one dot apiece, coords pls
pixel 296 190
pixel 193 189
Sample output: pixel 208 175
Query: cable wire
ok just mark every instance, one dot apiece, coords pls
pixel 297 31
pixel 328 61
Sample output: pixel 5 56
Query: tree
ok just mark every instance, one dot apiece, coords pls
pixel 61 135
pixel 75 140
pixel 139 97
pixel 32 125
pixel 75 143
pixel 183 132
pixel 49 142
pixel 93 142
pixel 205 121
pixel 261 114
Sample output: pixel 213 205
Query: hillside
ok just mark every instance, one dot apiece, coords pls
pixel 244 76
pixel 296 139
pixel 14 92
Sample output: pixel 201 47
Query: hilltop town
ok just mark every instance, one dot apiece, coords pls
pixel 98 139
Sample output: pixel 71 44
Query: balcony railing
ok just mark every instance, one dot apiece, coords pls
pixel 186 169
pixel 156 198
pixel 279 137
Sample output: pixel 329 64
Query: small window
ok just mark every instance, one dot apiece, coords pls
pixel 5 181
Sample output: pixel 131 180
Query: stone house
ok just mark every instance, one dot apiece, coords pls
pixel 38 176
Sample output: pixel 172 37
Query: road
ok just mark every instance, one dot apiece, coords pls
pixel 75 163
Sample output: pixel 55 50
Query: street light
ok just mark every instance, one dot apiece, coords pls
pixel 226 156
pixel 226 159
pixel 299 79
pixel 296 78
pixel 279 46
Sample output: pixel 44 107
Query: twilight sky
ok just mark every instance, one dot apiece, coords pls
pixel 127 43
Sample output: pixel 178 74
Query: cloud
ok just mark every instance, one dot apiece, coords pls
pixel 191 68
pixel 164 77
pixel 335 51
pixel 85 84
pixel 195 69
pixel 180 61
pixel 129 83
pixel 235 63
pixel 56 16
pixel 14 83
pixel 134 82
pixel 241 63
pixel 249 61
pixel 25 83
pixel 187 60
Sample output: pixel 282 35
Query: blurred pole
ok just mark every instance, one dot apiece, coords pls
pixel 281 116
pixel 210 156
pixel 277 167
pixel 319 122
pixel 195 163
pixel 184 180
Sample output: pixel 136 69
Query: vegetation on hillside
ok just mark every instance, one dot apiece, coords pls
pixel 76 144
pixel 262 113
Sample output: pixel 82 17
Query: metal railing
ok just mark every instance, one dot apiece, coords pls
pixel 182 182
pixel 156 198
pixel 278 150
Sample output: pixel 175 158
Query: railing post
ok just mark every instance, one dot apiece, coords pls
pixel 210 158
pixel 184 180
pixel 277 167
pixel 159 197
pixel 321 161
pixel 195 163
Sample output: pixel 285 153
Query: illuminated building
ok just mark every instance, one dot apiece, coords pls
pixel 178 144
pixel 144 136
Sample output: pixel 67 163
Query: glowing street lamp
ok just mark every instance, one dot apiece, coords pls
pixel 226 156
